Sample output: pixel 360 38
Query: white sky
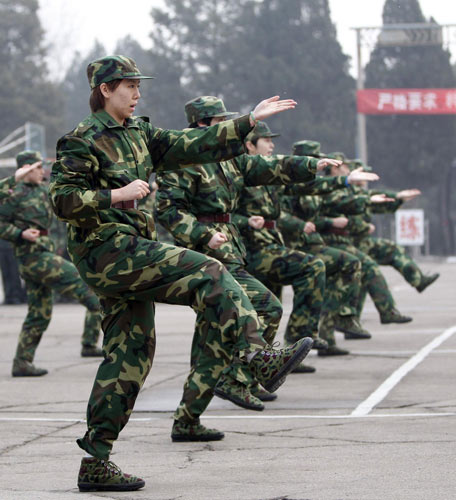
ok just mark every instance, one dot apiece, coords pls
pixel 75 25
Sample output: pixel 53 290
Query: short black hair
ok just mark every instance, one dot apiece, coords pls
pixel 206 121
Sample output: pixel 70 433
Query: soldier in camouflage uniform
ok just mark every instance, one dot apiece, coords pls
pixel 197 205
pixel 13 290
pixel 271 261
pixel 102 169
pixel 385 252
pixel 25 219
pixel 343 270
pixel 335 227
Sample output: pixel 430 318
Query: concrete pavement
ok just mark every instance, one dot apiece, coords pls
pixel 377 424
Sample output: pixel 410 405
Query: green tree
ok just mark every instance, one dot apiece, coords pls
pixel 76 89
pixel 413 150
pixel 26 94
pixel 245 50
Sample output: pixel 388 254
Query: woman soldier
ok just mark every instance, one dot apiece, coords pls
pixel 102 169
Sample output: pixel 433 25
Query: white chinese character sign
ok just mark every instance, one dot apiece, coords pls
pixel 407 101
pixel 410 227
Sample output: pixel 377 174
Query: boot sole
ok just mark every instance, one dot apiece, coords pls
pixel 238 402
pixel 28 374
pixel 307 369
pixel 110 487
pixel 397 322
pixel 350 335
pixel 184 439
pixel 278 379
pixel 354 336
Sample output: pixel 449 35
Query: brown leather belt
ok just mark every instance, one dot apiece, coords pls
pixel 44 232
pixel 270 224
pixel 214 218
pixel 123 205
pixel 339 231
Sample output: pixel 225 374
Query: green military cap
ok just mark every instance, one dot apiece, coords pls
pixel 308 148
pixel 109 68
pixel 28 157
pixel 356 163
pixel 206 106
pixel 337 155
pixel 261 129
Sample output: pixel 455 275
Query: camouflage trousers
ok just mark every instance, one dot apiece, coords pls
pixel 387 253
pixel 268 309
pixel 372 280
pixel 279 266
pixel 130 273
pixel 343 287
pixel 43 273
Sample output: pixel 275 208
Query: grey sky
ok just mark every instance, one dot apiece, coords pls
pixel 72 26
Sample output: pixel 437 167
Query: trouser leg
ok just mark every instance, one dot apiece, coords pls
pixel 39 300
pixel 128 269
pixel 388 253
pixel 305 273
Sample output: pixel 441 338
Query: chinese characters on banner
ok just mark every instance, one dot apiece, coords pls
pixel 407 101
pixel 410 227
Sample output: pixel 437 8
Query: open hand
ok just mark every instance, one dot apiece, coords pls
pixel 272 106
pixel 23 171
pixel 358 175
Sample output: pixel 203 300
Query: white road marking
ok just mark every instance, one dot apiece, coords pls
pixel 245 417
pixel 383 390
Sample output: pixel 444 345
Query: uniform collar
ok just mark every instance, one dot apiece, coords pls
pixel 108 121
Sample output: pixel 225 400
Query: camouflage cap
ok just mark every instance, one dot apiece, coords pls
pixel 206 106
pixel 110 68
pixel 28 157
pixel 338 155
pixel 261 129
pixel 308 148
pixel 356 163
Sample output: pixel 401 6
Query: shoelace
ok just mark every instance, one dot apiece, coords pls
pixel 111 466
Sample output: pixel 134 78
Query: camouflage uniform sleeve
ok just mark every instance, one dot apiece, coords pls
pixel 8 230
pixel 320 185
pixel 173 209
pixel 292 228
pixel 344 202
pixel 279 169
pixel 323 224
pixel 72 196
pixel 241 221
pixel 357 226
pixel 384 208
pixel 5 186
pixel 172 149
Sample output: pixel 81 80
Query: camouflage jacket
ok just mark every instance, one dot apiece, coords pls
pixel 267 202
pixel 27 206
pixel 100 155
pixel 360 224
pixel 346 202
pixel 216 188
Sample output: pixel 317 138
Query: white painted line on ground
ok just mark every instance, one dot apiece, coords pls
pixel 244 417
pixel 382 391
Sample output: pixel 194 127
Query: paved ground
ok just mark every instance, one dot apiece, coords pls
pixel 378 424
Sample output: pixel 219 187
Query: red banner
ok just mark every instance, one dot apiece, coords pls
pixel 407 101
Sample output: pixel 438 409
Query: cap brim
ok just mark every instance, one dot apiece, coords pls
pixel 221 115
pixel 141 77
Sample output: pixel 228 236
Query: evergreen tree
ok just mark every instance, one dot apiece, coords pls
pixel 27 94
pixel 245 50
pixel 413 150
pixel 76 89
